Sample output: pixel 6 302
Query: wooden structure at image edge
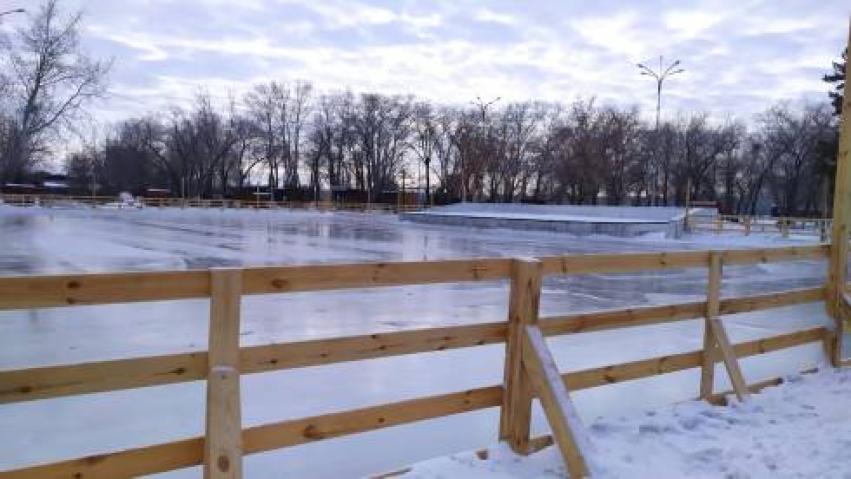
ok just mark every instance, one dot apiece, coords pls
pixel 530 370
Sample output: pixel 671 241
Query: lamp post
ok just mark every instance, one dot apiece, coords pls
pixel 660 75
pixel 483 109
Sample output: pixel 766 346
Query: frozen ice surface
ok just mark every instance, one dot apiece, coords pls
pixel 798 429
pixel 36 240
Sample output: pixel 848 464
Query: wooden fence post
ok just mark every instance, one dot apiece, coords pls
pixel 524 301
pixel 715 339
pixel 223 440
pixel 710 348
pixel 839 232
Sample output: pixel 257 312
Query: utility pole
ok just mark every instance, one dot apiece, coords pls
pixel 660 75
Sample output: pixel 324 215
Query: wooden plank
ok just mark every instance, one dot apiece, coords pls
pixel 620 318
pixel 19 292
pixel 709 355
pixel 773 255
pixel 648 315
pixel 771 300
pixel 720 399
pixel 369 346
pixel 99 288
pixel 622 263
pixel 300 431
pixel 366 275
pixel 568 430
pixel 223 438
pixel 617 373
pixel 128 463
pixel 523 306
pixel 164 457
pixel 713 306
pixel 175 455
pixel 56 381
pixel 729 357
pixel 66 380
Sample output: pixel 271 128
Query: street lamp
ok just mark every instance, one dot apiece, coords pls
pixel 660 76
pixel 483 108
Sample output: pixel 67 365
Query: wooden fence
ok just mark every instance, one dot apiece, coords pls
pixel 529 369
pixel 140 202
pixel 761 224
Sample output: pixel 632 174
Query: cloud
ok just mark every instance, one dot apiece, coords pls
pixel 739 57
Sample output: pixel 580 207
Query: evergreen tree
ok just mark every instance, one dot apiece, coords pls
pixel 837 77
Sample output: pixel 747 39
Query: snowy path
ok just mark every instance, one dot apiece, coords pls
pixel 799 429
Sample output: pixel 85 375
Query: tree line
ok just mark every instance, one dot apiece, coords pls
pixel 287 137
pixel 292 140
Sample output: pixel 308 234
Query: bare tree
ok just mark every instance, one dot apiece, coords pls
pixel 50 83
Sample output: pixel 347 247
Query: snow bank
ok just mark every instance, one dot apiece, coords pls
pixel 799 429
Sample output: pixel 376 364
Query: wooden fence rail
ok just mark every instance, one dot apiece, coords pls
pixel 225 440
pixel 747 224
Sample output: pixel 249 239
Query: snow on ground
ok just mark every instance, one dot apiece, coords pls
pixel 42 240
pixel 801 428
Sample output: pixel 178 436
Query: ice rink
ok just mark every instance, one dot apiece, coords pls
pixel 35 240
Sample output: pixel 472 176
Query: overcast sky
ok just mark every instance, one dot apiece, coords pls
pixel 740 56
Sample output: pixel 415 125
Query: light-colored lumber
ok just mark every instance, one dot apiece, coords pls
pixel 773 255
pixel 223 438
pixel 104 288
pixel 617 373
pixel 619 318
pixel 837 273
pixel 369 346
pixel 771 300
pixel 713 308
pixel 709 355
pixel 621 263
pixel 63 380
pixel 648 315
pixel 568 430
pixel 625 263
pixel 523 305
pixel 728 355
pixel 300 431
pixel 329 277
pixel 189 452
pixel 128 463
pixel 55 381
pixel 18 292
pixel 175 455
